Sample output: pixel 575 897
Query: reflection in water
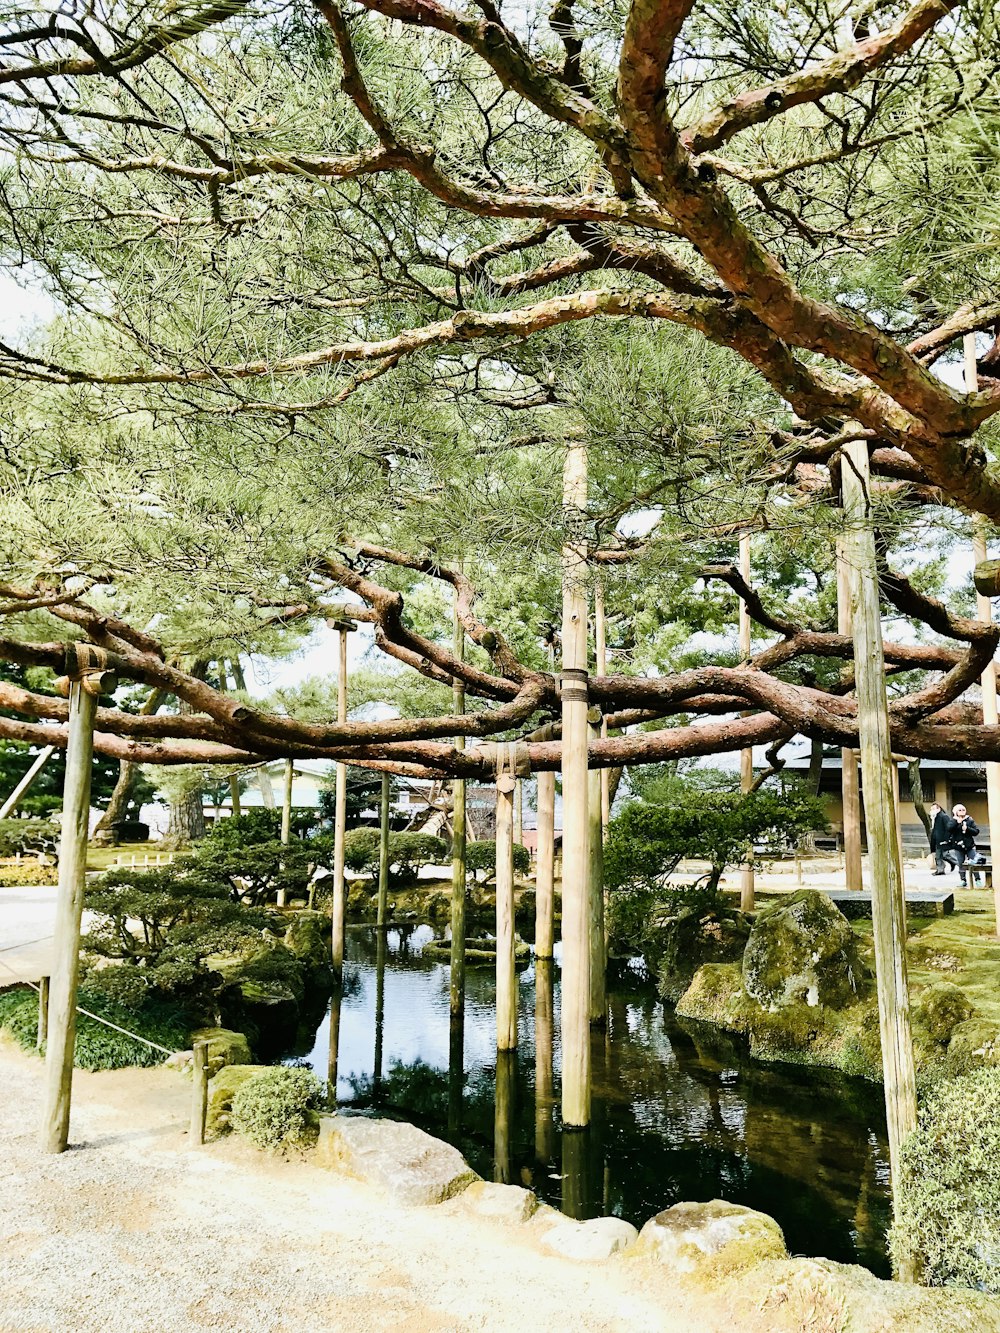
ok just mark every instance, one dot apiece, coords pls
pixel 545 1097
pixel 675 1116
pixel 503 1116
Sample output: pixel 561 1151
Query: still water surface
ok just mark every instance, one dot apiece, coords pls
pixel 675 1116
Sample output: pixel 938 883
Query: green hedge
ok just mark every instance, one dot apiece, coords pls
pixel 97 1046
pixel 948 1209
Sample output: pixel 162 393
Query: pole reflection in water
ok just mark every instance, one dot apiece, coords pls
pixel 336 1004
pixel 456 1073
pixel 380 952
pixel 545 1097
pixel 503 1115
pixel 575 1152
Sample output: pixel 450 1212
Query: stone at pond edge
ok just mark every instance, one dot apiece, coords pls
pixel 597 1239
pixel 225 1047
pixel 716 1238
pixel 221 1091
pixel 398 1159
pixel 499 1203
pixel 690 939
pixel 802 949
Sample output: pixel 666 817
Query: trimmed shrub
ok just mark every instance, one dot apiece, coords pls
pixel 481 855
pixel 948 1211
pixel 29 837
pixel 28 874
pixel 271 1110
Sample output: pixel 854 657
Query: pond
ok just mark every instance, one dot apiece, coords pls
pixel 676 1115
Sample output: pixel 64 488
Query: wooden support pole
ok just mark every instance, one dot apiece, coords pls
pixel 506 973
pixel 69 910
pixel 746 754
pixel 849 787
pixel 382 911
pixel 199 1092
pixel 897 798
pixel 286 816
pixel 601 665
pixel 13 800
pixel 338 913
pixel 598 951
pixel 545 867
pixel 519 812
pixel 989 678
pixel 286 803
pixel 575 782
pixel 43 1013
pixel 888 917
pixel 234 795
pixel 456 986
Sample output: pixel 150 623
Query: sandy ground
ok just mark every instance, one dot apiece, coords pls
pixel 130 1230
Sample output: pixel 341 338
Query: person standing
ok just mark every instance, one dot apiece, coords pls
pixel 963 839
pixel 940 836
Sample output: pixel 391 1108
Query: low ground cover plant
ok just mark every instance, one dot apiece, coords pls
pixel 272 1109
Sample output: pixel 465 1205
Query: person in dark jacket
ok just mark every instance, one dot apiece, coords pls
pixel 940 836
pixel 963 841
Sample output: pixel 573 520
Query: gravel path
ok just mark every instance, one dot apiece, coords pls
pixel 129 1230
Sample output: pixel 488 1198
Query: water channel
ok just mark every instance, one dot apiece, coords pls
pixel 676 1114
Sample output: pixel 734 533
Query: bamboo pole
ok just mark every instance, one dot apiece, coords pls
pixel 984 611
pixel 383 856
pixel 12 801
pixel 339 822
pixel 43 1013
pixel 546 862
pixel 506 973
pixel 746 754
pixel 598 951
pixel 456 988
pixel 888 918
pixel 199 1092
pixel 849 787
pixel 576 833
pixel 69 909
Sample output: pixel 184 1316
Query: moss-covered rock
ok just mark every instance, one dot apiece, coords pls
pixel 693 938
pixel 221 1091
pixel 692 1239
pixel 939 1011
pixel 225 1047
pixel 803 950
pixel 973 1043
pixel 308 938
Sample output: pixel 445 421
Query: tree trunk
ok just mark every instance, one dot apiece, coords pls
pixel 917 795
pixel 187 820
pixel 121 797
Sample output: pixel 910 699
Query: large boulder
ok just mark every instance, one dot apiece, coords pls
pixel 308 938
pixel 803 950
pixel 225 1047
pixel 400 1160
pixel 711 1238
